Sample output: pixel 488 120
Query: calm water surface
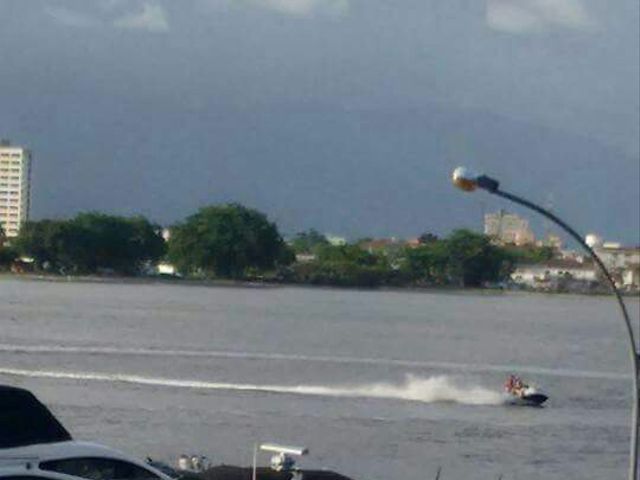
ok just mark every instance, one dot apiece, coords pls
pixel 379 385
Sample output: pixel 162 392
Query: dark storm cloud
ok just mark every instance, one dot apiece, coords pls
pixel 345 115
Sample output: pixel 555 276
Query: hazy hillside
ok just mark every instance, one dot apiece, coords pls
pixel 353 172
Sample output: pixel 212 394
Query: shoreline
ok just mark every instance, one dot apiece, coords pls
pixel 262 284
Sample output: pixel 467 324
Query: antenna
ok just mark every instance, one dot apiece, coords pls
pixel 281 461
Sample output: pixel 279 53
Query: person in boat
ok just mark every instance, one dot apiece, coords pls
pixel 514 385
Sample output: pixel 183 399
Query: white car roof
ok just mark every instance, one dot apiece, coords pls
pixel 60 450
pixel 12 458
pixel 20 471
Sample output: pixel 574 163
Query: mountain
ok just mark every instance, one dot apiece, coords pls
pixel 356 172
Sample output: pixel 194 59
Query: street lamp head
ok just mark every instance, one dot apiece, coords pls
pixel 464 179
pixel 468 181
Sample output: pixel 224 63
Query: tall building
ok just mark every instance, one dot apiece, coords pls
pixel 508 228
pixel 15 187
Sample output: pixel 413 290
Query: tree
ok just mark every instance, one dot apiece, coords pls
pixel 7 256
pixel 145 243
pixel 427 238
pixel 308 242
pixel 343 265
pixel 530 254
pixel 42 240
pixel 347 253
pixel 109 242
pixel 473 260
pixel 226 241
pixel 91 242
pixel 427 263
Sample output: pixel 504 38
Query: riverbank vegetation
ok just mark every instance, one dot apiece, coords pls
pixel 463 259
pixel 90 243
pixel 235 242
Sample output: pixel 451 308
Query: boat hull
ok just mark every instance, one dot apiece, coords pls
pixel 528 400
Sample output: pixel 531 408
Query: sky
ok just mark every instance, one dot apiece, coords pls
pixel 346 116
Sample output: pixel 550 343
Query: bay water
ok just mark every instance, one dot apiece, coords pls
pixel 379 385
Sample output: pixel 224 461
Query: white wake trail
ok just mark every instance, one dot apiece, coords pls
pixel 414 388
pixel 439 388
pixel 450 366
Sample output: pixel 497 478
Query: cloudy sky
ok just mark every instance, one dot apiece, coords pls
pixel 343 115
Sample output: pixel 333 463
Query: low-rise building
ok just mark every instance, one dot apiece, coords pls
pixel 553 241
pixel 631 277
pixel 617 257
pixel 166 268
pixel 305 257
pixel 378 244
pixel 335 240
pixel 413 243
pixel 545 275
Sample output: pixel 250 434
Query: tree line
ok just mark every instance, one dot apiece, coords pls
pixel 227 241
pixel 463 259
pixel 233 241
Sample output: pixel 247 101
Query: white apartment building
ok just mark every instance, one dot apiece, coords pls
pixel 15 187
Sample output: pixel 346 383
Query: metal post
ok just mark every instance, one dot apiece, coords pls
pixel 255 461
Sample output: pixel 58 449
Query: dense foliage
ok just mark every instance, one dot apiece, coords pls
pixel 464 258
pixel 530 254
pixel 8 255
pixel 426 264
pixel 227 241
pixel 232 241
pixel 473 260
pixel 345 265
pixel 90 243
pixel 308 242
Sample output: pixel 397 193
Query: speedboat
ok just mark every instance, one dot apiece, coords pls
pixel 519 393
pixel 527 397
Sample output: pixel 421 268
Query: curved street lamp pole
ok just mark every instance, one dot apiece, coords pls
pixel 463 179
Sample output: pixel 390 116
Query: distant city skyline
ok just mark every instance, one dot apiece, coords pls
pixel 347 116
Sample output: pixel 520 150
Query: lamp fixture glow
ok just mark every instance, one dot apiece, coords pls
pixel 466 180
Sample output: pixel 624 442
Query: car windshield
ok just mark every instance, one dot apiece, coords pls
pixel 98 468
